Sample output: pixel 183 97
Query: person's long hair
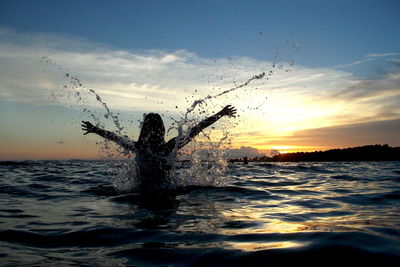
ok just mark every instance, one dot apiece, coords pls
pixel 152 132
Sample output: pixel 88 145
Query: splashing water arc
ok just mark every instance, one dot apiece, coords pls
pixel 202 162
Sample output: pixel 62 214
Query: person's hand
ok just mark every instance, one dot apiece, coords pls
pixel 88 127
pixel 228 111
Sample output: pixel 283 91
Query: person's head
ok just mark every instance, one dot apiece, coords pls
pixel 153 130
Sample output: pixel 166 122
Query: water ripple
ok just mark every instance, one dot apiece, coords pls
pixel 68 213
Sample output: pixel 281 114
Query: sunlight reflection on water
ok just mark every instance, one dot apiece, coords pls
pixel 280 207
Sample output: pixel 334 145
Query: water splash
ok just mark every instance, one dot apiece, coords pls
pixel 201 162
pixel 115 118
pixel 126 178
pixel 200 101
pixel 81 96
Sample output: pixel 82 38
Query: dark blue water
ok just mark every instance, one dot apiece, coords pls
pixel 280 214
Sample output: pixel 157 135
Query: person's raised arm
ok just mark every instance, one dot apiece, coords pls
pixel 226 111
pixel 125 143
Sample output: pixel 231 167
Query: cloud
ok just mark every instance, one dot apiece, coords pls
pixel 382 54
pixel 377 132
pixel 367 58
pixel 291 98
pixel 123 78
pixel 60 142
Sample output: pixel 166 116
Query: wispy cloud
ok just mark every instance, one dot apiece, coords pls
pixel 383 54
pixel 124 78
pixel 290 98
pixel 367 58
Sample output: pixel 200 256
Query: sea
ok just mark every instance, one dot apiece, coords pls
pixel 68 213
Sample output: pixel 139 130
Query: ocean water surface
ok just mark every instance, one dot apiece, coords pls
pixel 265 214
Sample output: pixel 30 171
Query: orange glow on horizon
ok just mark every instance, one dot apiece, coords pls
pixel 93 151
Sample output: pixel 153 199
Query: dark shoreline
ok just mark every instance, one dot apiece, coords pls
pixel 362 153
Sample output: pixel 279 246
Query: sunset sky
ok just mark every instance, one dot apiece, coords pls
pixel 332 71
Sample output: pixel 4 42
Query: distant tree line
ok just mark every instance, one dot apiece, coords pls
pixel 361 153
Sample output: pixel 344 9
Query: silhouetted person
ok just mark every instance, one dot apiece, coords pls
pixel 151 149
pixel 245 160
